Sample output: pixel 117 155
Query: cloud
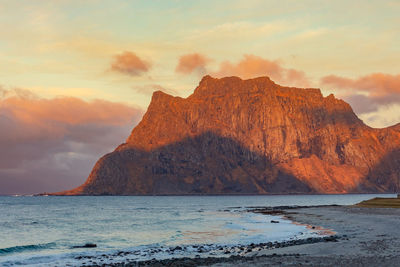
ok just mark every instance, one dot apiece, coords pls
pixel 384 116
pixel 337 81
pixel 361 103
pixel 190 63
pixel 377 84
pixel 367 93
pixel 129 63
pixel 149 89
pixel 253 66
pixel 52 144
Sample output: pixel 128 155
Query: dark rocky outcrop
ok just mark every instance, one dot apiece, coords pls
pixel 234 136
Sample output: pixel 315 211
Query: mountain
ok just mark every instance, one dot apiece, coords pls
pixel 234 136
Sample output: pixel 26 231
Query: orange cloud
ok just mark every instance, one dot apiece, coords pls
pixel 296 78
pixel 130 64
pixel 337 81
pixel 68 110
pixel 192 62
pixel 151 88
pixel 377 84
pixel 253 66
pixel 51 144
pixel 369 92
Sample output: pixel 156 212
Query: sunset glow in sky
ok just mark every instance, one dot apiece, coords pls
pixel 76 76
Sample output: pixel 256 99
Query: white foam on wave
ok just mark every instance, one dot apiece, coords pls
pixel 250 228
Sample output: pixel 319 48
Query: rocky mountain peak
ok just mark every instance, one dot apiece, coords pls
pixel 210 87
pixel 234 136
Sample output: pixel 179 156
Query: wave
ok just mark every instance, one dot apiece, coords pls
pixel 24 248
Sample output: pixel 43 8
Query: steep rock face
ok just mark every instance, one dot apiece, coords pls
pixel 234 136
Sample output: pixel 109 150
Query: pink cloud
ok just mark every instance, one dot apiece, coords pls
pixel 367 92
pixel 51 144
pixel 130 64
pixel 254 66
pixel 192 62
pixel 67 110
pixel 296 78
pixel 151 88
pixel 377 84
pixel 337 81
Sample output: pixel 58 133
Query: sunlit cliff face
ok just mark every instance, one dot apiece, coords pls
pixel 249 136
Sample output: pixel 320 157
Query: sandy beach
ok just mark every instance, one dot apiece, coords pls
pixel 365 237
pixel 368 237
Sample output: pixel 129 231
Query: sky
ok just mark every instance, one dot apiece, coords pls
pixel 77 76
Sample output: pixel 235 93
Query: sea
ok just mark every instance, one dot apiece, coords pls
pixel 51 230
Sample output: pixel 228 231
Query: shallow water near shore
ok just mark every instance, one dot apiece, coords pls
pixel 44 230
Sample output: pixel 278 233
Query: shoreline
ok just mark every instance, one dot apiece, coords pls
pixel 58 194
pixel 365 236
pixel 226 253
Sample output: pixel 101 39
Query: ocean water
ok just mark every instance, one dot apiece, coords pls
pixel 44 230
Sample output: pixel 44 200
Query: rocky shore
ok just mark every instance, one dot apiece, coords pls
pixel 365 237
pixel 225 253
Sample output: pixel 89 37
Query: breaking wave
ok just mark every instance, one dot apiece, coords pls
pixel 4 251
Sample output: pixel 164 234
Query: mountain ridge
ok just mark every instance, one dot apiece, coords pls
pixel 234 136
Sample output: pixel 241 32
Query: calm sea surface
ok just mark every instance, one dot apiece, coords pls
pixel 43 230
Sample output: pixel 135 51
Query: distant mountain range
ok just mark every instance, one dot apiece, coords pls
pixel 234 136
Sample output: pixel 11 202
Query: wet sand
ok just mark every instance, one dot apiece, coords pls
pixel 369 237
pixel 364 237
